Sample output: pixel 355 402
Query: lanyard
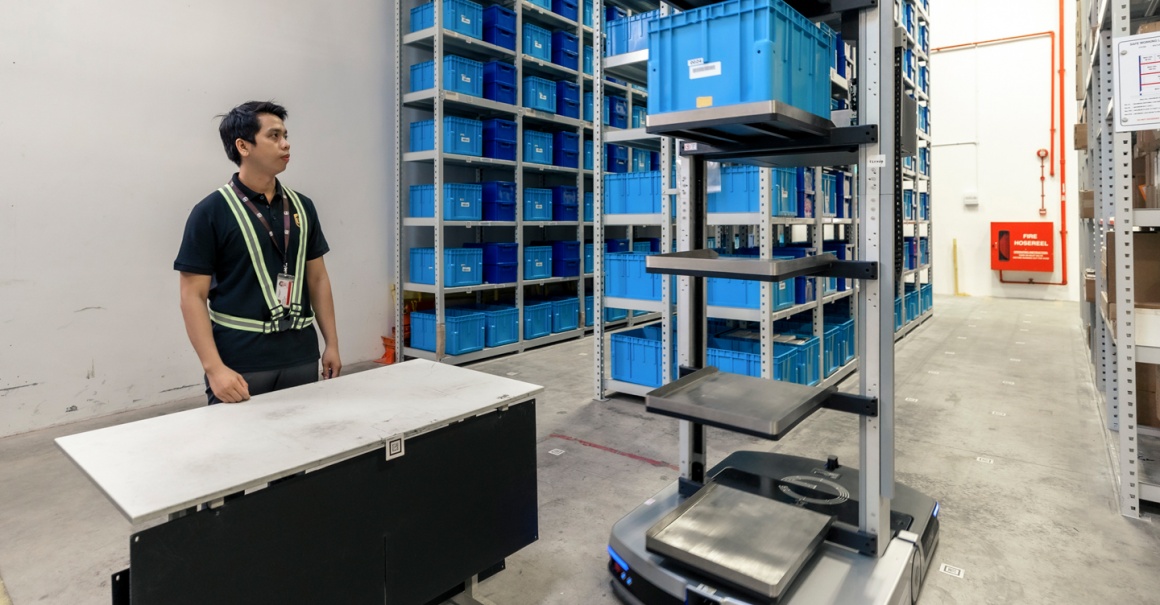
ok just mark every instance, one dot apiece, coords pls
pixel 266 225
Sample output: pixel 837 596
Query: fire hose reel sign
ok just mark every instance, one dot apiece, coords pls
pixel 1023 247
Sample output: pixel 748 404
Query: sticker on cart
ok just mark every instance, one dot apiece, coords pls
pixel 394 447
pixel 698 68
pixel 877 161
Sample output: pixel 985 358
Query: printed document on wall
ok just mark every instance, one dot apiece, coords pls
pixel 1137 82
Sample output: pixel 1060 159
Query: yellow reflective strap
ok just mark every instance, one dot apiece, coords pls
pixel 257 259
pixel 237 323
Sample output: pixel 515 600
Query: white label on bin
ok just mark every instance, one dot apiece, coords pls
pixel 543 97
pixel 465 139
pixel 465 78
pixel 464 204
pixel 537 44
pixel 466 269
pixel 705 70
pixel 465 19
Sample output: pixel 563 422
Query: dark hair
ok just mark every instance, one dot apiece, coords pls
pixel 242 123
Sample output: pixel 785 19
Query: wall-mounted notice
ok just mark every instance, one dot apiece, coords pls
pixel 1137 82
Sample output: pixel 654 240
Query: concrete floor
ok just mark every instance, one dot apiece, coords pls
pixel 1038 524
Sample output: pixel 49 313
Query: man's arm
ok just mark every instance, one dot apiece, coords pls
pixel 322 301
pixel 226 384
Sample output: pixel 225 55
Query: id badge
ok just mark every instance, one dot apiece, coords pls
pixel 283 287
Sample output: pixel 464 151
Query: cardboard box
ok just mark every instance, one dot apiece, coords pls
pixel 1089 288
pixel 1150 27
pixel 1147 141
pixel 1140 173
pixel 1148 394
pixel 1087 204
pixel 1146 253
pixel 1081 136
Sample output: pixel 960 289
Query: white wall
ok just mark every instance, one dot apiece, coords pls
pixel 990 111
pixel 108 138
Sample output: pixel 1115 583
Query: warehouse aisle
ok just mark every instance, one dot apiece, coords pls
pixel 996 419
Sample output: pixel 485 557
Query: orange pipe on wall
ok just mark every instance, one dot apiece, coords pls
pixel 1062 157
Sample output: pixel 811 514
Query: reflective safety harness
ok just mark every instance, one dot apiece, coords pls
pixel 281 318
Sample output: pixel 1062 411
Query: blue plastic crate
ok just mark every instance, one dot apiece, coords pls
pixel 629 35
pixel 586 15
pixel 616 244
pixel 785 193
pixel 465 330
pixel 740 190
pixel 565 314
pixel 462 266
pixel 923 206
pixel 613 13
pixel 738 51
pixel 500 273
pixel 924 160
pixel 500 150
pixel 588 154
pixel 627 278
pixel 537 148
pixel 537 204
pixel 924 119
pixel 589 207
pixel 654 159
pixel 567 9
pixel 913 306
pixel 898 319
pixel 499 139
pixel 615 110
pixel 540 94
pixel 461 201
pixel 908 63
pixel 589 256
pixel 808 370
pixel 566 205
pixel 566 49
pixel 499 201
pixel 926 297
pixel 615 158
pixel 498 252
pixel 647 244
pixel 734 362
pixel 537 262
pixel 460 136
pixel 499 82
pixel 461 16
pixel 499 26
pixel 565 267
pixel 537 320
pixel 639 116
pixel 924 38
pixel 909 253
pixel 459 75
pixel 833 349
pixel 637 356
pixel 741 293
pixel 566 151
pixel 907 17
pixel 639 160
pixel 632 193
pixel 588 52
pixel 502 324
pixel 568 99
pixel 537 42
pixel 923 78
pixel 923 251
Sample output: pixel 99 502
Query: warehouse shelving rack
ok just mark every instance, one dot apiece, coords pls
pixel 1115 353
pixel 436 231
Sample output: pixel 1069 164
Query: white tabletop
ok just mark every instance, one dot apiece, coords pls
pixel 169 463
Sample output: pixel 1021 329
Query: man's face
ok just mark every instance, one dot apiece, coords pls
pixel 270 151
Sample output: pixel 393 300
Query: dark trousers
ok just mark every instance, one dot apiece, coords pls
pixel 272 380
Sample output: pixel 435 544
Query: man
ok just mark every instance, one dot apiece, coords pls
pixel 253 251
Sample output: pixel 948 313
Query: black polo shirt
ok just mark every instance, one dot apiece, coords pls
pixel 213 245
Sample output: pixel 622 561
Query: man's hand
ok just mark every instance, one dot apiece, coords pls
pixel 331 364
pixel 227 385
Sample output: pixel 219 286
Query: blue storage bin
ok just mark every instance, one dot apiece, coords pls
pixel 499 201
pixel 913 306
pixel 740 190
pixel 615 110
pixel 460 136
pixel 897 314
pixel 926 295
pixel 565 267
pixel 500 150
pixel 566 204
pixel 537 262
pixel 567 9
pixel 498 252
pixel 537 320
pixel 924 160
pixel 588 154
pixel 461 16
pixel 734 362
pixel 589 207
pixel 586 15
pixel 627 278
pixel 923 206
pixel 640 161
pixel 500 273
pixel 833 349
pixel 461 201
pixel 923 251
pixel 499 139
pixel 616 244
pixel 537 147
pixel 566 151
pixel 629 35
pixel 615 158
pixel 654 159
pixel 923 76
pixel 539 94
pixel 568 101
pixel 459 75
pixel 924 119
pixel 588 51
pixel 632 193
pixel 924 38
pixel 738 51
pixel 808 370
pixel 565 314
pixel 502 324
pixel 537 204
pixel 537 42
pixel 463 266
pixel 465 330
pixel 637 356
pixel 740 293
pixel 566 49
pixel 589 255
pixel 908 20
pixel 499 26
pixel 908 204
pixel 639 116
pixel 908 64
pixel 499 82
pixel 613 13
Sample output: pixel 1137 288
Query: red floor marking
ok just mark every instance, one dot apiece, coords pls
pixel 615 451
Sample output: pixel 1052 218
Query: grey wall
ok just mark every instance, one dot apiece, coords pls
pixel 108 138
